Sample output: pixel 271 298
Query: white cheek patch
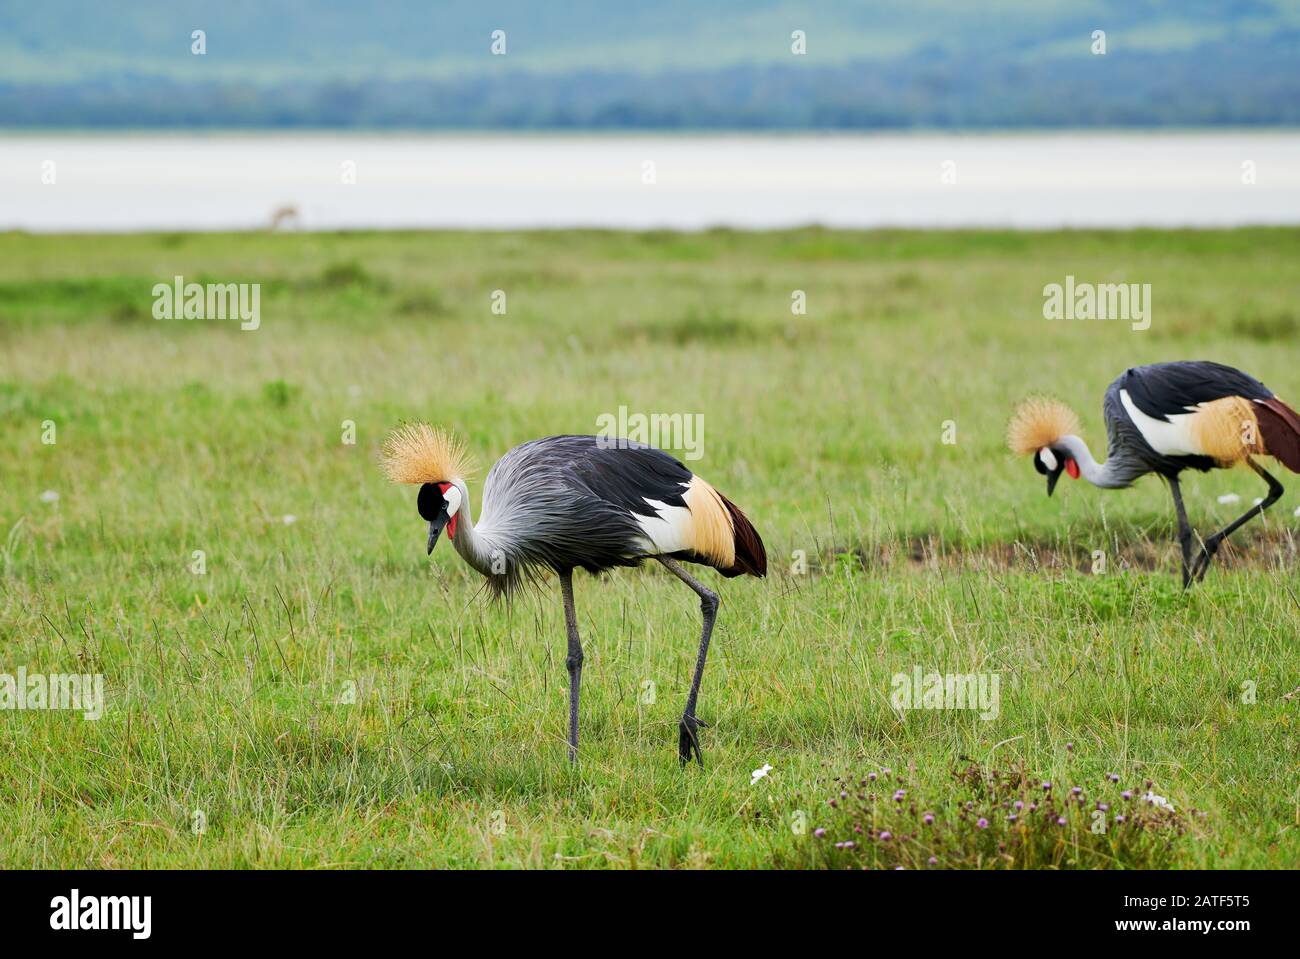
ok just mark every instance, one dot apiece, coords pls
pixel 1048 458
pixel 452 498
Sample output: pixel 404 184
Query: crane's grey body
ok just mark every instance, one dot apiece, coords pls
pixel 1129 456
pixel 568 501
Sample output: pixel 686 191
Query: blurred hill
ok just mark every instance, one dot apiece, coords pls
pixel 672 64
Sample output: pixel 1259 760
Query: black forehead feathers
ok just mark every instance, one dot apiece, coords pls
pixel 430 502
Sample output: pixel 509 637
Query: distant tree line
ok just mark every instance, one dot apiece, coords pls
pixel 1248 84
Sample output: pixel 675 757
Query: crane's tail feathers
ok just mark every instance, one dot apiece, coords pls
pixel 1279 428
pixel 1039 421
pixel 419 453
pixel 751 557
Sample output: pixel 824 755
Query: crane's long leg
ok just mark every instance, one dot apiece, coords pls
pixel 573 662
pixel 1212 544
pixel 688 739
pixel 1185 535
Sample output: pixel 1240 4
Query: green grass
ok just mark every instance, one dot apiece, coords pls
pixel 223 689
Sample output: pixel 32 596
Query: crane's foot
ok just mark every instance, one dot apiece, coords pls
pixel 1203 561
pixel 688 740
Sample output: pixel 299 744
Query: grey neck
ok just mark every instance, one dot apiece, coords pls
pixel 1098 474
pixel 474 546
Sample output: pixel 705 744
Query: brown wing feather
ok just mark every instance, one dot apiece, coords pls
pixel 1279 427
pixel 751 557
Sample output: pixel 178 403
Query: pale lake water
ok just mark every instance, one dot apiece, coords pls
pixel 125 182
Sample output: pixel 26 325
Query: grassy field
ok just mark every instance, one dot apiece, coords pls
pixel 323 694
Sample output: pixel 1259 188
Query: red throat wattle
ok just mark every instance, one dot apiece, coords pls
pixel 1072 468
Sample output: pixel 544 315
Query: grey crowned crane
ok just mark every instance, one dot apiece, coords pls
pixel 568 502
pixel 1163 419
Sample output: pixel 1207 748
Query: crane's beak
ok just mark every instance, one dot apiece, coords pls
pixel 435 528
pixel 1051 485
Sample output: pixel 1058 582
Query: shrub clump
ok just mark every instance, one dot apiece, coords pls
pixel 997 819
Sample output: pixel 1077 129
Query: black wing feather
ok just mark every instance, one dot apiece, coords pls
pixel 1162 389
pixel 627 474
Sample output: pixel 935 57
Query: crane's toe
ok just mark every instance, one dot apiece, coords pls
pixel 688 739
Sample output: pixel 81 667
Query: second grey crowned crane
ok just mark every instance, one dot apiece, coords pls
pixel 1163 419
pixel 568 502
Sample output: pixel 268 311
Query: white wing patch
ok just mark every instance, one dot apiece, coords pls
pixel 669 532
pixel 1168 439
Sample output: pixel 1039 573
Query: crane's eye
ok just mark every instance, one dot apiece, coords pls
pixel 430 502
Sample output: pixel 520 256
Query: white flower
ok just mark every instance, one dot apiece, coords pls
pixel 1159 802
pixel 49 496
pixel 289 519
pixel 760 773
pixel 1228 499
